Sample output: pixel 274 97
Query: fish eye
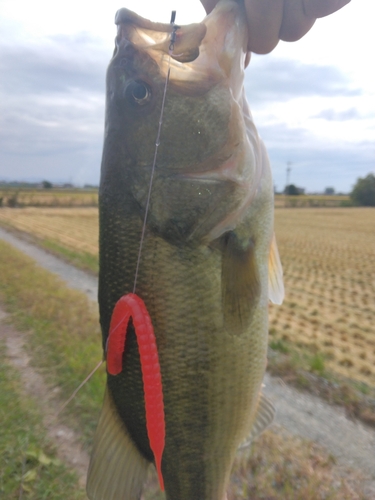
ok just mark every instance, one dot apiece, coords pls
pixel 138 93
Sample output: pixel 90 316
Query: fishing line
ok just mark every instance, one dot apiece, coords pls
pixel 80 385
pixel 157 144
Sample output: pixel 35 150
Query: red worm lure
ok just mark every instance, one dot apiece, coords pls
pixel 132 306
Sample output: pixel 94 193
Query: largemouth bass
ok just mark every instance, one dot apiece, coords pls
pixel 209 263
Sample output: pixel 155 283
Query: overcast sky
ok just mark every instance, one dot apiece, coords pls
pixel 313 101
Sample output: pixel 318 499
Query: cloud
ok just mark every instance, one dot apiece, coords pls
pixel 274 79
pixel 54 64
pixel 314 117
pixel 316 163
pixel 334 115
pixel 52 114
pixel 47 124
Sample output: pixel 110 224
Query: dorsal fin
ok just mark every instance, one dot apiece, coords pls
pixel 117 469
pixel 275 275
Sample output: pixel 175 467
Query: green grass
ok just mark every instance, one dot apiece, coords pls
pixel 64 342
pixel 317 364
pixel 83 260
pixel 281 467
pixel 64 339
pixel 27 460
pixel 279 345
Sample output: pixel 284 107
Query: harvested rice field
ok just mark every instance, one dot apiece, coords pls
pixel 328 256
pixel 75 228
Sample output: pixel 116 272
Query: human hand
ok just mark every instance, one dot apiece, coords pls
pixel 272 20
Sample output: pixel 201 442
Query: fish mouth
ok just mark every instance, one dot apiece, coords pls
pixel 220 168
pixel 202 53
pixel 157 36
pixel 225 172
pixel 214 170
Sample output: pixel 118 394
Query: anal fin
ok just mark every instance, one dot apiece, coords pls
pixel 275 275
pixel 117 469
pixel 264 416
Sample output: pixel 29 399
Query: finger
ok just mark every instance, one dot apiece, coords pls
pixel 299 16
pixel 209 5
pixel 296 22
pixel 264 20
pixel 321 8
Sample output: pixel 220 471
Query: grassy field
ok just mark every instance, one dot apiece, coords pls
pixel 64 342
pixel 328 258
pixel 11 197
pixel 311 201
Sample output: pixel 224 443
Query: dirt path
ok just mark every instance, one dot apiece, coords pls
pixel 305 415
pixel 73 277
pixel 66 440
pixel 302 414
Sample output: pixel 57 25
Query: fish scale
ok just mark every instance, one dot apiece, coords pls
pixel 191 421
pixel 187 364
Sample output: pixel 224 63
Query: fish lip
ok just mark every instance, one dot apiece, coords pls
pixel 124 16
pixel 224 172
pixel 177 175
pixel 201 180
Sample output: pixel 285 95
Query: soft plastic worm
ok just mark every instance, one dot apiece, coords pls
pixel 132 306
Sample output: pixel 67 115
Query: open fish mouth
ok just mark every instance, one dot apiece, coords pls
pixel 157 36
pixel 203 53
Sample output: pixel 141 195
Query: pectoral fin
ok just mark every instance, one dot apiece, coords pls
pixel 263 418
pixel 117 469
pixel 275 275
pixel 240 283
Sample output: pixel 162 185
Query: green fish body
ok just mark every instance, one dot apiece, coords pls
pixel 209 262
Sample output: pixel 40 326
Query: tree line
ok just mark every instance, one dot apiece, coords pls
pixel 362 194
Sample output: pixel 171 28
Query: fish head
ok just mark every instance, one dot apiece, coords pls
pixel 207 166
